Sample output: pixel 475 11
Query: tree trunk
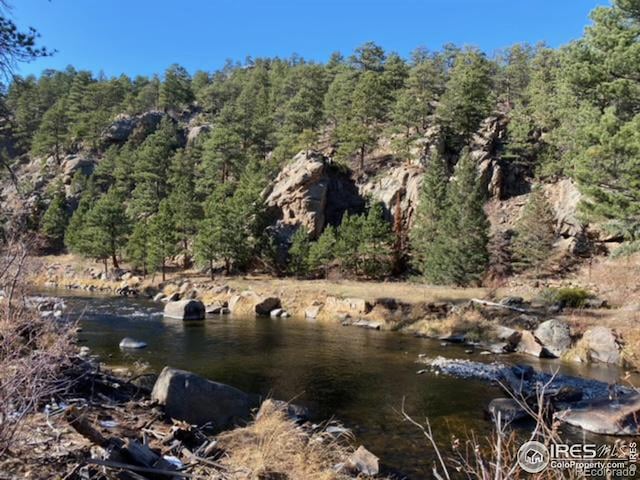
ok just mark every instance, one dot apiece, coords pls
pixel 106 268
pixel 163 271
pixel 211 268
pixel 185 261
pixel 362 158
pixel 114 259
pixel 227 266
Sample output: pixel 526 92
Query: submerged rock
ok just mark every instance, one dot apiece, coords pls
pixel 508 409
pixel 194 399
pixel 130 343
pixel 609 417
pixel 185 310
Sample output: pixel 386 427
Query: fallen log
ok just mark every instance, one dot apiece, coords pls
pixel 486 303
pixel 137 468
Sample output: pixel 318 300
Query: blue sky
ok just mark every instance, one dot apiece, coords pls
pixel 145 36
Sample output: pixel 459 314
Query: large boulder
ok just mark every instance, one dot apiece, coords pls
pixel 555 336
pixel 249 302
pixel 601 344
pixel 530 345
pixel 194 399
pixel 185 310
pixel 73 163
pixel 604 416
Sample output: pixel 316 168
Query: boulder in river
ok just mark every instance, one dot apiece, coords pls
pixel 267 305
pixel 555 336
pixel 131 343
pixel 600 344
pixel 620 416
pixel 530 345
pixel 185 310
pixel 194 399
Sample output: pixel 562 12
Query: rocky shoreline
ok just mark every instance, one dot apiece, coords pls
pixel 503 326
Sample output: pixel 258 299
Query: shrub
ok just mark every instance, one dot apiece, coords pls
pixel 572 297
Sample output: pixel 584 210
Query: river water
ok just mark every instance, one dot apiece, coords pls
pixel 357 376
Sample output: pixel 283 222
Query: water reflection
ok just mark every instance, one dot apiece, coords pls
pixel 358 376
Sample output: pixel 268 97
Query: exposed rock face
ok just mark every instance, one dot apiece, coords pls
pixel 620 417
pixel 123 126
pixel 555 335
pixel 564 198
pixel 601 344
pixel 189 397
pixel 195 133
pixel 309 193
pixel 73 163
pixel 300 192
pixel 400 182
pixel 185 310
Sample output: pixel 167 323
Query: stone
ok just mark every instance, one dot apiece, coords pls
pixel 265 306
pixel 296 413
pixel 604 416
pixel 508 409
pixel 196 400
pixel 214 309
pixel 185 310
pixel 158 297
pixel 509 337
pixel 555 336
pixel 276 313
pixel 453 338
pixel 601 345
pixel 364 462
pixel 130 343
pixel 399 182
pixel 512 301
pixel 312 312
pixel 196 132
pixel 124 125
pixel 529 344
pixel 299 192
pixel 595 303
pixel 174 297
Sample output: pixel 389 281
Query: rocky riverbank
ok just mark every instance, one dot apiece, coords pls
pixel 541 327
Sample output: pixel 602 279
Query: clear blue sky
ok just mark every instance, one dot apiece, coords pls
pixel 145 36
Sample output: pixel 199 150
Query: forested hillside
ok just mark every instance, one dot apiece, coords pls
pixel 178 168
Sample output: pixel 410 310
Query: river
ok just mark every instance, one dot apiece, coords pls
pixel 357 376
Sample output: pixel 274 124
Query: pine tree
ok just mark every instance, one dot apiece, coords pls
pixel 299 252
pixel 426 237
pixel 175 91
pixel 468 97
pixel 76 238
pixel 151 170
pixel 51 137
pixel 348 242
pixel 217 237
pixel 162 238
pixel 55 218
pixel 375 245
pixel 106 227
pixel 322 251
pixel 138 246
pixel 535 233
pixel 222 154
pixel 183 200
pixel 465 227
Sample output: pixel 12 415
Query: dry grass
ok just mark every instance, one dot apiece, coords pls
pixel 468 321
pixel 275 447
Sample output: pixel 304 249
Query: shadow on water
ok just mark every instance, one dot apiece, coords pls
pixel 357 376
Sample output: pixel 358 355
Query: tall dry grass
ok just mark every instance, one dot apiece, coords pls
pixel 275 447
